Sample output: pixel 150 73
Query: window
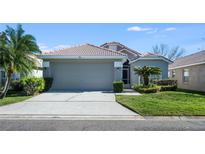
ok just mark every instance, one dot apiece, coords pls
pixel 113 47
pixel 169 75
pixel 186 75
pixel 3 75
pixel 173 73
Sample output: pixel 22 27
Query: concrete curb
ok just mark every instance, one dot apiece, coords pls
pixel 174 117
pixel 96 117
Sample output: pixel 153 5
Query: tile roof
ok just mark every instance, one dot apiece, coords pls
pixel 123 46
pixel 85 50
pixel 195 58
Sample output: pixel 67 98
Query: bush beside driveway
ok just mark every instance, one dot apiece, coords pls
pixel 170 103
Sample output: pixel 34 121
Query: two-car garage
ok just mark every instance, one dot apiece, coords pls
pixel 82 75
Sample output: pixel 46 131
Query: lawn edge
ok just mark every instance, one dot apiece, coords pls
pixel 129 108
pixel 15 102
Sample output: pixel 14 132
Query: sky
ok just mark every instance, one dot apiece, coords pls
pixel 140 37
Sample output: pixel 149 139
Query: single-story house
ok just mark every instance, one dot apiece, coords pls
pixel 16 76
pixel 189 71
pixel 90 67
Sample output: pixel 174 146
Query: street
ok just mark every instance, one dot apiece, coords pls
pixel 100 125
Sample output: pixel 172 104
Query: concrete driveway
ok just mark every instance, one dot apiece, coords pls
pixel 70 104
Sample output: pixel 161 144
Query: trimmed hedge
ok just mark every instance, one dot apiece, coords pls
pixel 168 88
pixel 147 89
pixel 48 83
pixel 165 82
pixel 32 85
pixel 118 86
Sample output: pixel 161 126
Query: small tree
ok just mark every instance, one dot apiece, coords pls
pixel 16 50
pixel 146 71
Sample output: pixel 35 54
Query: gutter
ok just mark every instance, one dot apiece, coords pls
pixel 200 63
pixel 124 58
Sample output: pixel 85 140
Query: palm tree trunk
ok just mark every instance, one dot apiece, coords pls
pixel 146 80
pixel 6 86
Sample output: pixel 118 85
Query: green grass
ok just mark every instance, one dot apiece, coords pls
pixel 13 97
pixel 169 103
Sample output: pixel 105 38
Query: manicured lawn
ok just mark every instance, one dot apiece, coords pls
pixel 170 103
pixel 13 97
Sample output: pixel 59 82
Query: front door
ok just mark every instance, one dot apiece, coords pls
pixel 126 74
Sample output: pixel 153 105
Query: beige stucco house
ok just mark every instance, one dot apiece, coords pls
pixel 189 71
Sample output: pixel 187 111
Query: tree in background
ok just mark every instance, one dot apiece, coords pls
pixel 146 71
pixel 16 53
pixel 170 53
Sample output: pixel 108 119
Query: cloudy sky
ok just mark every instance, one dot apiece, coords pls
pixel 141 37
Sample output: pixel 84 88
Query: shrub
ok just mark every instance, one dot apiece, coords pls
pixel 32 85
pixel 168 88
pixel 48 83
pixel 151 88
pixel 16 85
pixel 118 86
pixel 166 82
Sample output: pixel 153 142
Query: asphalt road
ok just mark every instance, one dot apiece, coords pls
pixel 100 125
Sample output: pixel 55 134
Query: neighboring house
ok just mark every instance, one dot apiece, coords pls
pixel 90 67
pixel 16 76
pixel 189 71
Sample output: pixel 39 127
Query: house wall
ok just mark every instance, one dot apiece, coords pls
pixel 47 72
pixel 196 77
pixel 134 79
pixel 17 76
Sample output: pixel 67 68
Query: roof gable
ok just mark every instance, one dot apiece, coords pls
pixel 132 54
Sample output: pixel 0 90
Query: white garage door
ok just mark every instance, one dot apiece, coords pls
pixel 82 76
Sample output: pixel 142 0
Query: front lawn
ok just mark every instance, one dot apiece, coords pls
pixel 169 103
pixel 13 97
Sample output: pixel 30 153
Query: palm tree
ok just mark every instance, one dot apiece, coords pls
pixel 16 50
pixel 170 53
pixel 146 71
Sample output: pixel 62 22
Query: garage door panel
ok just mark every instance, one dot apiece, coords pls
pixel 82 76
